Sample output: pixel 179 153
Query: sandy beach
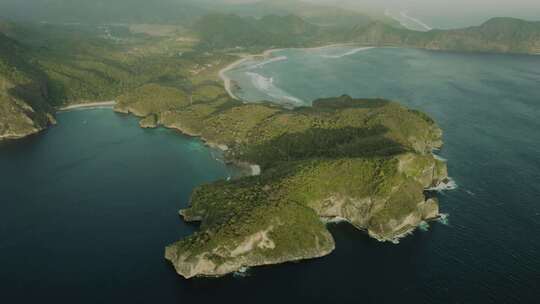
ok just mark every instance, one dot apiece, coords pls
pixel 266 54
pixel 89 105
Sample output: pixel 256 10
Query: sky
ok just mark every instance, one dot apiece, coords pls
pixel 435 13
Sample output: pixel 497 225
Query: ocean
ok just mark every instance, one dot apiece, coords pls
pixel 89 205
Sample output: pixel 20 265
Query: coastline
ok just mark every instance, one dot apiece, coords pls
pixel 90 105
pixel 243 58
pixel 248 169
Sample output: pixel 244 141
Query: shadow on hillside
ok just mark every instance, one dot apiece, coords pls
pixel 326 143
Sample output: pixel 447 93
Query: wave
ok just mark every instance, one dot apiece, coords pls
pixel 443 218
pixel 440 158
pixel 469 192
pixel 405 15
pixel 242 272
pixel 349 53
pixel 334 220
pixel 267 86
pixel 447 185
pixel 263 63
pixel 423 226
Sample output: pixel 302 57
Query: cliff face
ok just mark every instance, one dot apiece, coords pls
pixel 501 35
pixel 367 162
pixel 23 93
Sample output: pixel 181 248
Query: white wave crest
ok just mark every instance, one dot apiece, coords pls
pixel 266 85
pixel 423 226
pixel 349 53
pixel 447 185
pixel 405 15
pixel 241 273
pixel 440 158
pixel 334 220
pixel 263 63
pixel 443 218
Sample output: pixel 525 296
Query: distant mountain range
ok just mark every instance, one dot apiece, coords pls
pixel 173 11
pixel 503 35
pixel 229 31
pixel 101 11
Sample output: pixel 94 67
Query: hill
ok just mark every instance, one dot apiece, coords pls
pixel 502 35
pixel 101 11
pixel 318 14
pixel 24 108
pixel 229 31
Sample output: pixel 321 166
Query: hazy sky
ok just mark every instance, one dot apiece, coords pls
pixel 436 13
pixel 451 13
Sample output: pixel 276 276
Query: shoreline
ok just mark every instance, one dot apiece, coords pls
pixel 90 105
pixel 227 81
pixel 250 169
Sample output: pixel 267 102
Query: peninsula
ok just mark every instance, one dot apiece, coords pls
pixel 367 162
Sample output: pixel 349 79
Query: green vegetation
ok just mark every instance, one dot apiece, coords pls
pixel 366 161
pixel 152 68
pixel 102 11
pixel 23 93
pixel 219 31
pixel 501 35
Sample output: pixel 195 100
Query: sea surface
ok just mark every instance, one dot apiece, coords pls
pixel 88 206
pixel 489 108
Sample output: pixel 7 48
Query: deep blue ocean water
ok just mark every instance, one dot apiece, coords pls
pixel 88 206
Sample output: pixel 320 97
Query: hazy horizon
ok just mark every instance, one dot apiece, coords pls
pixel 434 13
pixel 444 13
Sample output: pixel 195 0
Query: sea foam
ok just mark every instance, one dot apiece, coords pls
pixel 349 53
pixel 423 226
pixel 241 273
pixel 271 60
pixel 450 184
pixel 443 218
pixel 267 86
pixel 405 15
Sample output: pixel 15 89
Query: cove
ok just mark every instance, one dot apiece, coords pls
pixel 89 206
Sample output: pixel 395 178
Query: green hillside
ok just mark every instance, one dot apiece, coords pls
pixel 230 31
pixel 24 107
pixel 321 15
pixel 101 11
pixel 363 161
pixel 503 35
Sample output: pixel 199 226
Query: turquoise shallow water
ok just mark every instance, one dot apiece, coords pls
pixel 88 206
